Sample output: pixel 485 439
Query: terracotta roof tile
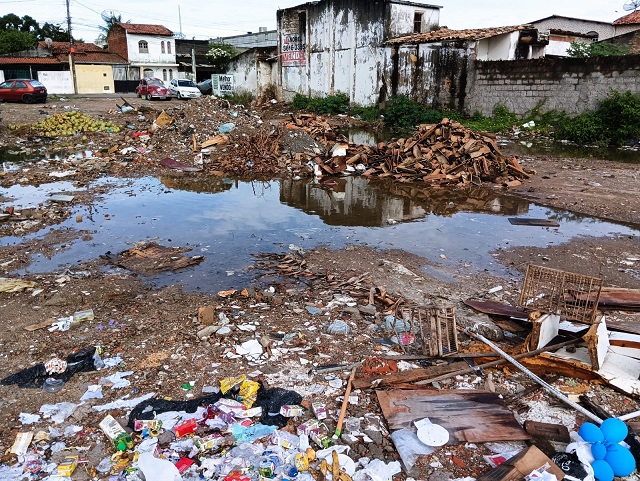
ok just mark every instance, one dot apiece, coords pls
pixel 63 47
pixel 144 29
pixel 94 58
pixel 29 60
pixel 632 18
pixel 448 34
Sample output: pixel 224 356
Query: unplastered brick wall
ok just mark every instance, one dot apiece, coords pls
pixel 571 85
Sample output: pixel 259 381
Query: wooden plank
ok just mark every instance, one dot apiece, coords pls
pixel 554 432
pixel 40 325
pixel 533 222
pixel 410 376
pixel 615 297
pixel 469 415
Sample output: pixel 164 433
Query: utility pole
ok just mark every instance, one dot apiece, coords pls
pixel 193 59
pixel 72 52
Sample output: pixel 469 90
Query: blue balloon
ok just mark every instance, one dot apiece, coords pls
pixel 602 470
pixel 620 459
pixel 598 450
pixel 614 430
pixel 591 433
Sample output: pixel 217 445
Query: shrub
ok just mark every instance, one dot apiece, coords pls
pixel 330 105
pixel 240 97
pixel 619 116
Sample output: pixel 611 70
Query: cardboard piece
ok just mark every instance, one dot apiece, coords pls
pixel 521 465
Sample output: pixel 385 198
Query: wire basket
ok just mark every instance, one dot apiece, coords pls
pixel 438 331
pixel 575 296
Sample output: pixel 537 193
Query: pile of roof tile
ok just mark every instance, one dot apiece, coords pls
pixel 441 154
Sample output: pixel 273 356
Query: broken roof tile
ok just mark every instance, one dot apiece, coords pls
pixel 449 34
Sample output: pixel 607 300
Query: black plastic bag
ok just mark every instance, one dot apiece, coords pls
pixel 151 407
pixel 271 400
pixel 33 377
pixel 571 466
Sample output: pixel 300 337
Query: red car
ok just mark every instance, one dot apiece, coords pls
pixel 23 90
pixel 152 88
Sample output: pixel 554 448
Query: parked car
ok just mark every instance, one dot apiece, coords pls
pixel 23 90
pixel 152 88
pixel 184 89
pixel 205 87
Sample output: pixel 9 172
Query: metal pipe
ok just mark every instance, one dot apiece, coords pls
pixel 531 375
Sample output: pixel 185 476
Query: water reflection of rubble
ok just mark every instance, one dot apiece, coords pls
pixel 356 201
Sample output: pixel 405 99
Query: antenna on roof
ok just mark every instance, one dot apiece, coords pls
pixel 108 15
pixel 48 42
pixel 631 5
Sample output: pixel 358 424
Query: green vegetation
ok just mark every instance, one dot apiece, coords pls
pixel 615 120
pixel 597 49
pixel 220 54
pixel 332 104
pixel 240 97
pixel 22 33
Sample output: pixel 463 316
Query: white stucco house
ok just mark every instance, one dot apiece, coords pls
pixel 326 47
pixel 149 49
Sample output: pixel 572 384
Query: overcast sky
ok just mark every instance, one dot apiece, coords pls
pixel 205 19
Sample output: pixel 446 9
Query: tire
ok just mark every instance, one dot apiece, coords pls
pixel 147 97
pixel 138 94
pixel 179 96
pixel 27 99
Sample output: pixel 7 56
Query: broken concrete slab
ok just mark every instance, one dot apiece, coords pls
pixel 482 324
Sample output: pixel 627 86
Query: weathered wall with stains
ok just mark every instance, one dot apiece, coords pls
pixel 434 74
pixel 253 71
pixel 568 84
pixel 401 19
pixel 338 46
pixel 500 47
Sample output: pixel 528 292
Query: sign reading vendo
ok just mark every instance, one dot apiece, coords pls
pixel 223 84
pixel 293 50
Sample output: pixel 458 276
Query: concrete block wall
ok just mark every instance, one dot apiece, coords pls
pixel 566 84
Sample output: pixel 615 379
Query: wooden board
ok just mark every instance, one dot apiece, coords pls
pixel 410 376
pixel 469 415
pixel 533 222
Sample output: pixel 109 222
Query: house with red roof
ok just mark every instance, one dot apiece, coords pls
pixel 49 63
pixel 149 50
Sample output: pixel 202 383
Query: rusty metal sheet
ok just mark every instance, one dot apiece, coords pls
pixel 494 308
pixel 468 415
pixel 616 298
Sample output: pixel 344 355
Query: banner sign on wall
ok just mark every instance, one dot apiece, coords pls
pixel 293 50
pixel 223 84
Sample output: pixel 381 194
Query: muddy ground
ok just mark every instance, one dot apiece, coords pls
pixel 155 331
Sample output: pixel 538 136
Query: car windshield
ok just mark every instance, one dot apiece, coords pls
pixel 155 81
pixel 186 83
pixel 35 83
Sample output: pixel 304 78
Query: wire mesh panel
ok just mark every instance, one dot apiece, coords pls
pixel 550 290
pixel 438 332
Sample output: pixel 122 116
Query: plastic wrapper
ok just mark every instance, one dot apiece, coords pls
pixel 229 383
pixel 248 393
pixel 271 400
pixel 409 447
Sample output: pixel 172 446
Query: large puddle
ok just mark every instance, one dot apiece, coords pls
pixel 227 221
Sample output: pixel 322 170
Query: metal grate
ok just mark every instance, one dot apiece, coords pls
pixel 551 290
pixel 438 332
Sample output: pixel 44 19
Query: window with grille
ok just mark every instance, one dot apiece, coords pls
pixel 162 48
pixel 143 47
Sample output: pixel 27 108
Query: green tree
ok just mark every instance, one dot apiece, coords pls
pixel 15 41
pixel 220 54
pixel 597 49
pixel 11 21
pixel 109 23
pixel 54 32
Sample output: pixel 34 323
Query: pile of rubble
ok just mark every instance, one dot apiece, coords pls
pixel 441 154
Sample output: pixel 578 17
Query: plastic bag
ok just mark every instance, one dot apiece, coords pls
pixel 409 447
pixel 35 376
pixel 149 408
pixel 271 400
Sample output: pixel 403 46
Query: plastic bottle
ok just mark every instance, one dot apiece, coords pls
pixel 53 385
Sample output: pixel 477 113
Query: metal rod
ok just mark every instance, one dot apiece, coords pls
pixel 626 417
pixel 499 362
pixel 531 375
